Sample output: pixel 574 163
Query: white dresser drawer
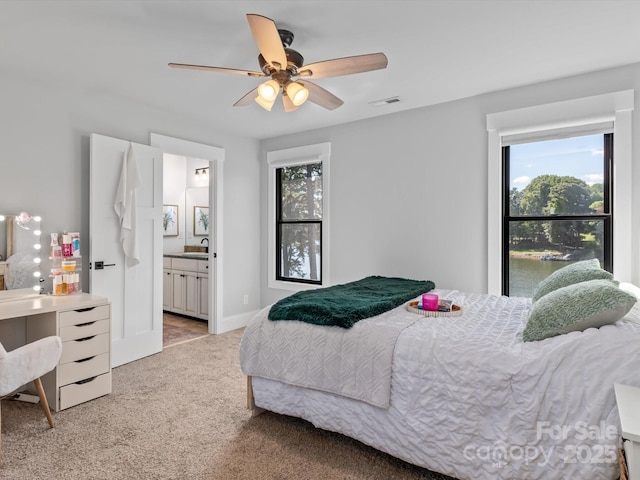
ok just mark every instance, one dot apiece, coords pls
pixel 73 332
pixel 76 393
pixel 84 315
pixel 81 370
pixel 84 347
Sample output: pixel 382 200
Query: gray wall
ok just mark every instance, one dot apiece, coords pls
pixel 44 168
pixel 409 190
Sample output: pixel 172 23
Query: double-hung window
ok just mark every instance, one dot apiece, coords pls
pixel 557 206
pixel 556 174
pixel 299 223
pixel 299 217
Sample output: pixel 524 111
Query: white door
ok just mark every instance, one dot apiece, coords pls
pixel 135 291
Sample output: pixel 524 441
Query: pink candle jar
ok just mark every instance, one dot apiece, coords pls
pixel 429 301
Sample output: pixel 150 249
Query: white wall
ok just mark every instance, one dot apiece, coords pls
pixel 174 171
pixel 409 190
pixel 44 167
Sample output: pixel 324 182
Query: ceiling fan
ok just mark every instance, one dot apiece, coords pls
pixel 288 73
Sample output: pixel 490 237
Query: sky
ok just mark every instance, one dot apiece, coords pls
pixel 580 157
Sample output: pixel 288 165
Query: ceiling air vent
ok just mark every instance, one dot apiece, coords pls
pixel 386 101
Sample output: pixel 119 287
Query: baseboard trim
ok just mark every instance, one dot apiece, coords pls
pixel 236 321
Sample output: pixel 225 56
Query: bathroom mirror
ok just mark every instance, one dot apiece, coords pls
pixel 196 205
pixel 20 250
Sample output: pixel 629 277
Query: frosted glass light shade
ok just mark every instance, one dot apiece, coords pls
pixel 268 91
pixel 266 104
pixel 297 93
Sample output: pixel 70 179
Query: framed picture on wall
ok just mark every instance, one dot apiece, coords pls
pixel 170 220
pixel 201 220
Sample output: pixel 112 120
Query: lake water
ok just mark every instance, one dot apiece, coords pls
pixel 526 273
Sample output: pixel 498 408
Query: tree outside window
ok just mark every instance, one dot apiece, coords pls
pixel 557 208
pixel 299 223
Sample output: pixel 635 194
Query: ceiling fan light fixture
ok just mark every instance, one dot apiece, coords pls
pixel 268 91
pixel 297 93
pixel 266 104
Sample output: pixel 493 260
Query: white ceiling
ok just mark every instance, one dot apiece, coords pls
pixel 438 50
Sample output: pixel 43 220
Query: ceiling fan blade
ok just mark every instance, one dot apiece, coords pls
pixel 320 96
pixel 288 104
pixel 217 69
pixel 344 66
pixel 247 99
pixel 267 37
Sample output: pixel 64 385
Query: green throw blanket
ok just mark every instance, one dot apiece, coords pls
pixel 343 305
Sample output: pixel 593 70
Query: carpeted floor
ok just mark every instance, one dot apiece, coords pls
pixel 182 414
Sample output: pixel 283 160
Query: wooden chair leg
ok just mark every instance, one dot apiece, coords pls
pixel 43 401
pixel 0 436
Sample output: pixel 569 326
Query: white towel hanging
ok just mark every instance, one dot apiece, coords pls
pixel 125 206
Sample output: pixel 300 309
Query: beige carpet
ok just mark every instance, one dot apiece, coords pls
pixel 181 414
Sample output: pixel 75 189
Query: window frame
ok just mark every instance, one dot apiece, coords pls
pixel 606 217
pixel 280 222
pixel 317 153
pixel 616 107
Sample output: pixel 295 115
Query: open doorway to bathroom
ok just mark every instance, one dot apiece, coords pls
pixel 186 249
pixel 192 236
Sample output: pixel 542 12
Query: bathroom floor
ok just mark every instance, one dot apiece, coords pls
pixel 177 329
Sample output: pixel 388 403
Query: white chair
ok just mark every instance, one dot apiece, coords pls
pixel 27 364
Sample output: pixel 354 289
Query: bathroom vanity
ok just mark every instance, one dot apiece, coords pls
pixel 185 285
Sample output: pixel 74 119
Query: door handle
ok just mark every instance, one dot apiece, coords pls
pixel 100 265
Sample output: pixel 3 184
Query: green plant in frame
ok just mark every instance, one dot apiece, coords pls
pixel 201 220
pixel 204 220
pixel 167 219
pixel 170 220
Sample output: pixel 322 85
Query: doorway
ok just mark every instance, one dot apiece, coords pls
pixel 215 158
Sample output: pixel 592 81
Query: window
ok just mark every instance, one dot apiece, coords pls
pixel 575 117
pixel 298 246
pixel 299 223
pixel 557 207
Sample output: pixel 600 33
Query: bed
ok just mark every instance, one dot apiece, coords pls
pixel 464 396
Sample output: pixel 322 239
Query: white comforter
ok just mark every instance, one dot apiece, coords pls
pixel 471 400
pixel 353 362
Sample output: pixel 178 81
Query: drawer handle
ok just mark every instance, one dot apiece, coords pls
pixel 84 339
pixel 86 380
pixel 85 359
pixel 86 324
pixel 82 310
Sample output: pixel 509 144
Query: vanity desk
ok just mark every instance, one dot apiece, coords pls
pixel 83 321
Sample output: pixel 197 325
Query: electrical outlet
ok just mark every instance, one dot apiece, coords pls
pixel 246 299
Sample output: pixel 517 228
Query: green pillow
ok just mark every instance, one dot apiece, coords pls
pixel 573 273
pixel 576 307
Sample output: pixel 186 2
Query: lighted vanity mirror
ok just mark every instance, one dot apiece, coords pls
pixel 20 250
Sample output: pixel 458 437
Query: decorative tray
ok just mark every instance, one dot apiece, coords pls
pixel 456 311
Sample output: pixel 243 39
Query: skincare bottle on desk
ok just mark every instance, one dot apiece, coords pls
pixel 67 249
pixel 56 250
